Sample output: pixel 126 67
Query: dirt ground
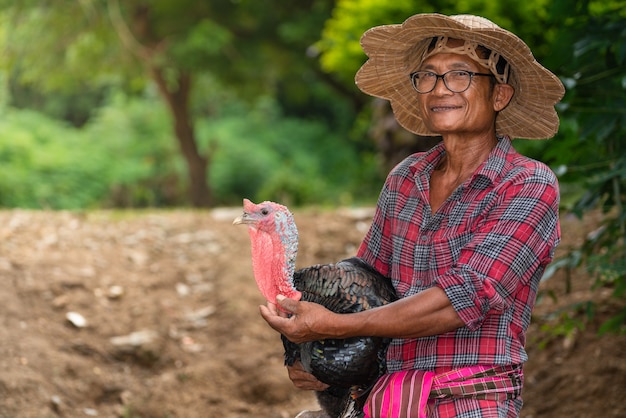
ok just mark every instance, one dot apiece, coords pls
pixel 155 315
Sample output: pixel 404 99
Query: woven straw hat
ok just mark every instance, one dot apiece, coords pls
pixel 530 114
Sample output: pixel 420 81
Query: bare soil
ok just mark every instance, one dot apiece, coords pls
pixel 171 325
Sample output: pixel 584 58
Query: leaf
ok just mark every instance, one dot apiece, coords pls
pixel 569 261
pixel 615 324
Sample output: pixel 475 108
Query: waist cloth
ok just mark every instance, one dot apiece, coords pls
pixel 405 394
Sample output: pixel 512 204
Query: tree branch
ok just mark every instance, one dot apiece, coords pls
pixel 125 34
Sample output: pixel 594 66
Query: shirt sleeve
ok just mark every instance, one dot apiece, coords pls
pixel 509 250
pixel 376 247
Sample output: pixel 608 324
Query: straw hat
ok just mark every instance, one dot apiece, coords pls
pixel 530 114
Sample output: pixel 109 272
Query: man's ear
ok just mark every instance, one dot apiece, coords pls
pixel 502 94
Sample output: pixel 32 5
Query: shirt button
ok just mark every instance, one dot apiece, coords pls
pixel 424 238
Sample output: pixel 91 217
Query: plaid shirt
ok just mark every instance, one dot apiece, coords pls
pixel 487 247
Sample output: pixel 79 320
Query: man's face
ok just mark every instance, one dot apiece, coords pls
pixel 471 111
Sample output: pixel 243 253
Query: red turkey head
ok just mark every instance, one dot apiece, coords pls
pixel 274 239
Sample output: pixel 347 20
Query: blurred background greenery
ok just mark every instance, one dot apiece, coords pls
pixel 186 103
pixel 169 103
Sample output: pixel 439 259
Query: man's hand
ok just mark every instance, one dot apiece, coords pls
pixel 304 380
pixel 298 321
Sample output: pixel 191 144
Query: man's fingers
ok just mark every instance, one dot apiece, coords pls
pixel 304 380
pixel 288 305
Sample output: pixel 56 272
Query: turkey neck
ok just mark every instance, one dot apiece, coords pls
pixel 274 259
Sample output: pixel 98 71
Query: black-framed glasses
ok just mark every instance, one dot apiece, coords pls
pixel 457 81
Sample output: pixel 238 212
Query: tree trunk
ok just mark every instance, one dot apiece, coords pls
pixel 177 99
pixel 142 43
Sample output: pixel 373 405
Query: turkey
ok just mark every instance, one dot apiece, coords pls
pixel 350 366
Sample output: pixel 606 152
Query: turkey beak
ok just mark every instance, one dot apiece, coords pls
pixel 243 219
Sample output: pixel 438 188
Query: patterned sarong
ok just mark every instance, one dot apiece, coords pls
pixel 405 394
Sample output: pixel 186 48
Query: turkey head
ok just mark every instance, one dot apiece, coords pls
pixel 274 241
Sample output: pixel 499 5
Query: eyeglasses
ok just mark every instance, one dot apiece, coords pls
pixel 457 81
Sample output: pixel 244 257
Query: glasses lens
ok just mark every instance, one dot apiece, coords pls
pixel 457 81
pixel 424 81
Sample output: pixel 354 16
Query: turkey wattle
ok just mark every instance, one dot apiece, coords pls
pixel 350 366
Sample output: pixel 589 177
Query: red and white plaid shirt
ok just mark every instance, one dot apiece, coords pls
pixel 487 247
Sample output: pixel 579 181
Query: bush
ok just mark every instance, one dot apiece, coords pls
pixel 261 155
pixel 124 157
pixel 44 164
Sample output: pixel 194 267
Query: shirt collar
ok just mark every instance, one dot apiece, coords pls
pixel 493 167
pixel 489 170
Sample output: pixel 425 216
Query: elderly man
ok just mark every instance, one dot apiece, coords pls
pixel 464 230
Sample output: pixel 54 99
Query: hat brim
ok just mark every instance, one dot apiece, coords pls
pixel 385 74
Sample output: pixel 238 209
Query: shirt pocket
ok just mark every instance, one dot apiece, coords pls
pixel 447 246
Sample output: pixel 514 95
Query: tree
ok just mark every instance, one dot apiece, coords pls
pixel 248 47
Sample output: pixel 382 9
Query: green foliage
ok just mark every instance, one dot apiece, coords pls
pixel 144 167
pixel 589 151
pixel 40 171
pixel 340 48
pixel 341 52
pixel 604 255
pixel 262 155
pixel 121 159
pixel 125 157
pixel 204 41
pixel 60 47
pixel 565 323
pixel 249 47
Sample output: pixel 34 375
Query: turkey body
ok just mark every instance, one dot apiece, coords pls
pixel 350 366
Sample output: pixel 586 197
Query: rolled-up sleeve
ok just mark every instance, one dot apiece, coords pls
pixel 509 249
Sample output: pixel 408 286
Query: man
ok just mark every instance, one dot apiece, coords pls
pixel 464 230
